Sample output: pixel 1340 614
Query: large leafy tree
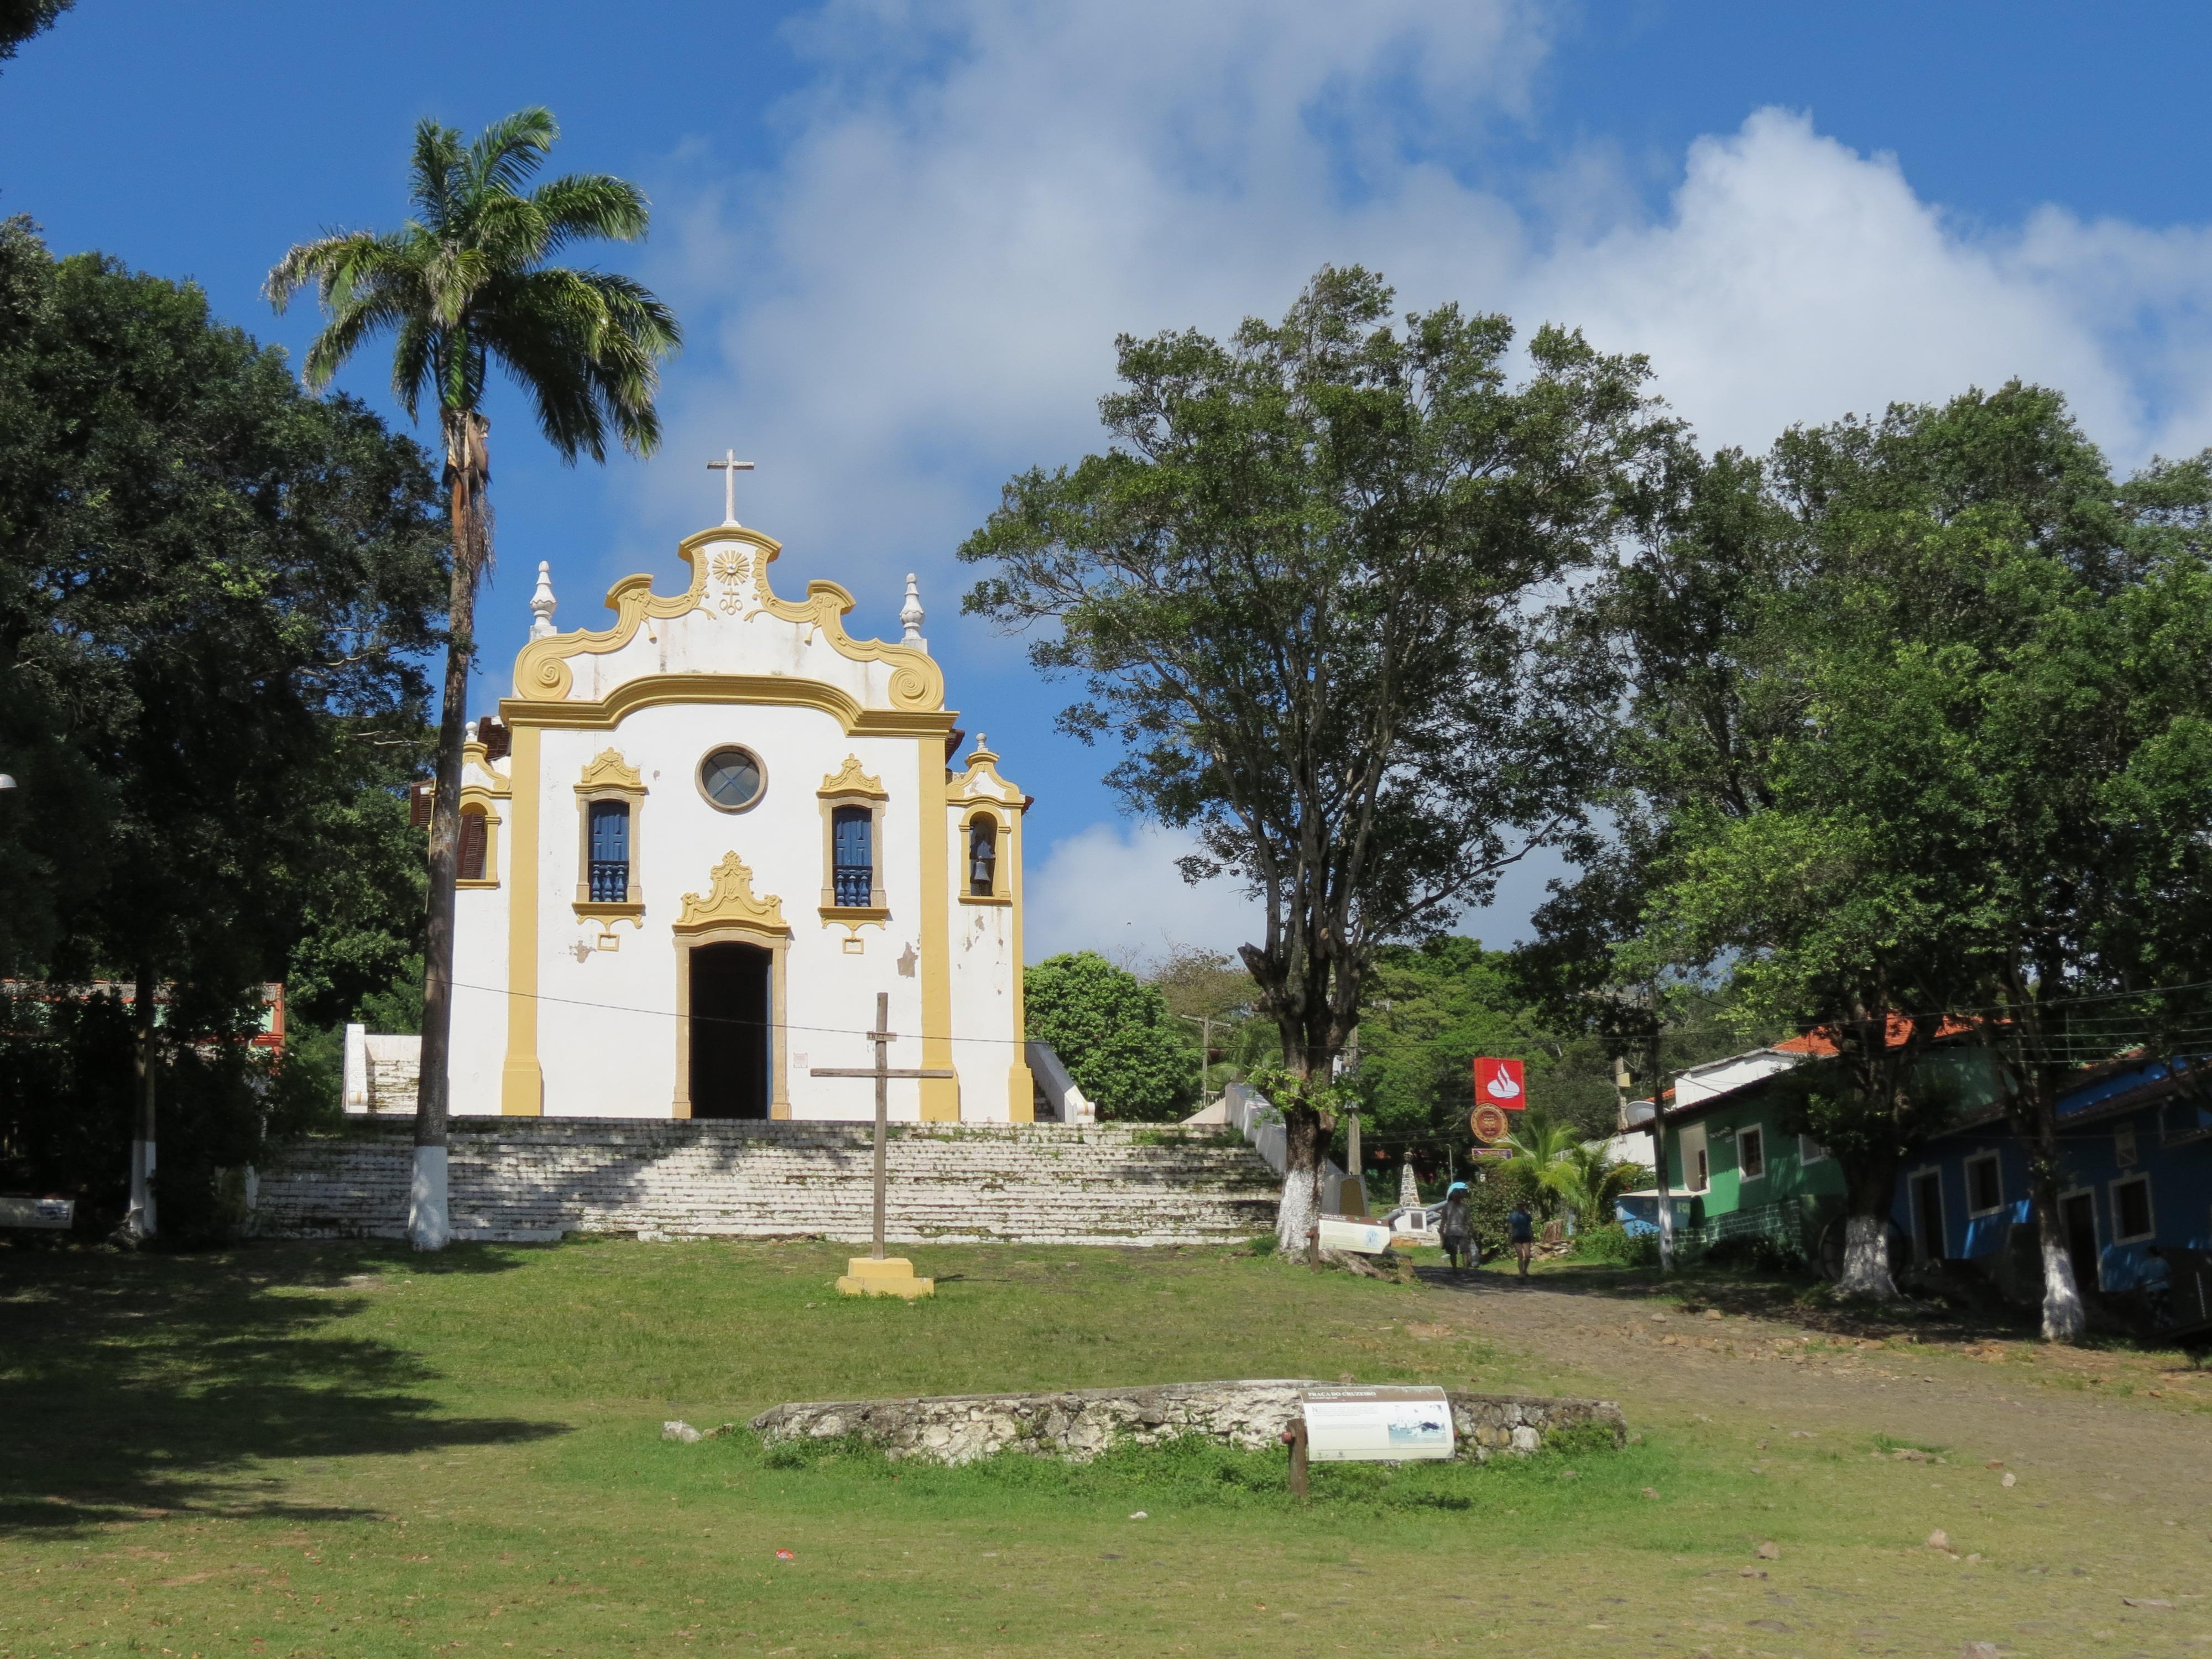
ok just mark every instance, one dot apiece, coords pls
pixel 1920 773
pixel 211 585
pixel 1306 589
pixel 465 284
pixel 1116 1035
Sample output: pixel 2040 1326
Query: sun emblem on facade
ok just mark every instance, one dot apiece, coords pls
pixel 730 571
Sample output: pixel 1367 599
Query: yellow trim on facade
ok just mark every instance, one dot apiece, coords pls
pixel 609 770
pixel 1002 891
pixel 521 1082
pixel 476 754
pixel 777 943
pixel 940 1095
pixel 477 798
pixel 653 690
pixel 542 673
pixel 850 779
pixel 731 900
pixel 609 777
pixel 1021 1084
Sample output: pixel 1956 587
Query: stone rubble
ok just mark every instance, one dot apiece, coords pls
pixel 1078 1424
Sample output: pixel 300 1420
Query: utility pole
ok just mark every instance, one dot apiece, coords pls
pixel 1206 1023
pixel 1623 1081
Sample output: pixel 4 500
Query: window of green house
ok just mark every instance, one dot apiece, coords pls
pixel 1751 1152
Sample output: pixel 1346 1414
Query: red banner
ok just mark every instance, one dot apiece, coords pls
pixel 1498 1083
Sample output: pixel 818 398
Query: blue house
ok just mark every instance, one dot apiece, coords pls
pixel 2136 1146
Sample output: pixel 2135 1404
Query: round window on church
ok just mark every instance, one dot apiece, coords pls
pixel 732 779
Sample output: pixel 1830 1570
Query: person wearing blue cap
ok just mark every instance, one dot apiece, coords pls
pixel 1456 1225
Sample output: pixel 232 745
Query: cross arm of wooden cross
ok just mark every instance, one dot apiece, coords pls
pixel 870 1071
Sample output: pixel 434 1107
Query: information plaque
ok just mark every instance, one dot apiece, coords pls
pixel 1364 1238
pixel 1377 1425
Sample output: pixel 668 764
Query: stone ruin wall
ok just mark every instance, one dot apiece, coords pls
pixel 1081 1424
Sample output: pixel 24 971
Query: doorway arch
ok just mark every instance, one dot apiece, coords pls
pixel 739 971
pixel 732 1019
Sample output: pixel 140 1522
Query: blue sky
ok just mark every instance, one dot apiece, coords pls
pixel 902 237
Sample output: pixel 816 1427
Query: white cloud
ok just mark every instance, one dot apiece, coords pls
pixel 1114 889
pixel 1794 280
pixel 920 296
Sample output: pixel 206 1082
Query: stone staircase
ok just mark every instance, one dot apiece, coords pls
pixel 521 1180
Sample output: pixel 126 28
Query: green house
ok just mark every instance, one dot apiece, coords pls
pixel 1738 1171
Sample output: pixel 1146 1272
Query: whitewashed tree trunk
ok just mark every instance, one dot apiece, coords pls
pixel 1299 1212
pixel 429 1221
pixel 1866 1259
pixel 2064 1318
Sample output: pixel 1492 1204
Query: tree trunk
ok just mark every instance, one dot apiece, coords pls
pixel 139 1220
pixel 1299 1213
pixel 428 1212
pixel 2065 1319
pixel 1659 1160
pixel 1871 1194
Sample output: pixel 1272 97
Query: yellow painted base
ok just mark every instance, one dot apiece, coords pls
pixel 892 1276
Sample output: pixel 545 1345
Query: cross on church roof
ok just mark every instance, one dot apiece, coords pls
pixel 729 466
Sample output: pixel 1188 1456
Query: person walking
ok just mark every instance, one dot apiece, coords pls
pixel 2157 1282
pixel 1457 1227
pixel 1521 1229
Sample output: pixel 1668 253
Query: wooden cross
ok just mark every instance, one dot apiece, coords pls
pixel 882 1072
pixel 729 466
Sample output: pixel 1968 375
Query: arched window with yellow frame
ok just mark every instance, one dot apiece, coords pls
pixel 986 858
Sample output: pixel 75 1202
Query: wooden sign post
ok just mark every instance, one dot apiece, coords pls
pixel 875 1274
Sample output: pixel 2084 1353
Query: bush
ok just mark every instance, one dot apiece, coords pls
pixel 1497 1189
pixel 1114 1034
pixel 1760 1252
pixel 1581 1439
pixel 1617 1245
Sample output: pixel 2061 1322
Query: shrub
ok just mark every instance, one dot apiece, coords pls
pixel 1760 1252
pixel 1114 1034
pixel 1618 1246
pixel 1581 1439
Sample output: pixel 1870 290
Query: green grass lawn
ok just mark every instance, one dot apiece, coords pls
pixel 347 1450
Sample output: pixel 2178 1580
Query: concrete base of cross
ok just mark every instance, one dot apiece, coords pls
pixel 891 1276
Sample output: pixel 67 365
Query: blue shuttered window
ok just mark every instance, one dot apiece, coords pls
pixel 610 880
pixel 852 856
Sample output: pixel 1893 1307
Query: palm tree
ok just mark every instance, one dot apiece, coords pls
pixel 1538 1143
pixel 1589 1182
pixel 463 283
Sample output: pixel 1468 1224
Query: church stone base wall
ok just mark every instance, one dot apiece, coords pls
pixel 532 1180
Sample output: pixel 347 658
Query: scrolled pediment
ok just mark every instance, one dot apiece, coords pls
pixel 608 770
pixel 850 779
pixel 731 902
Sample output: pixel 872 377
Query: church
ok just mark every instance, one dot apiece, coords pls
pixel 697 843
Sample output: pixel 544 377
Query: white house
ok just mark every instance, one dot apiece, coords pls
pixel 698 842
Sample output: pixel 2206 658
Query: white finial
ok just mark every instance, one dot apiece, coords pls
pixel 469 733
pixel 911 615
pixel 541 602
pixel 729 466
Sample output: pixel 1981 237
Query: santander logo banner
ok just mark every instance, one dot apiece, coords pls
pixel 1497 1082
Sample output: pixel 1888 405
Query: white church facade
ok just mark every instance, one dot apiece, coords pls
pixel 700 842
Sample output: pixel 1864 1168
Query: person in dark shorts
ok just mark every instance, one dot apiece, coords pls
pixel 1520 1231
pixel 1457 1227
pixel 2157 1287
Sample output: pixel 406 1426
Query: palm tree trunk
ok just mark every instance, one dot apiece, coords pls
pixel 139 1220
pixel 429 1212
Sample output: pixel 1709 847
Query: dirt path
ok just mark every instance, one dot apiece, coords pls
pixel 2126 1429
